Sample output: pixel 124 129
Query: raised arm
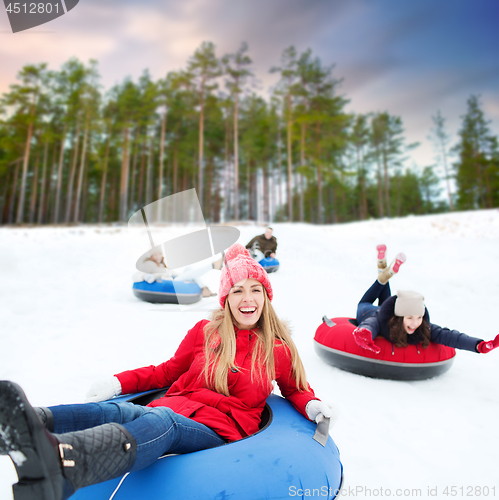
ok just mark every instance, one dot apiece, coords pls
pixel 453 338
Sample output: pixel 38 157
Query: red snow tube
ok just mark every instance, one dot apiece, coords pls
pixel 335 344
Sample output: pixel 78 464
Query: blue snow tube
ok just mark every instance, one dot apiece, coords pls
pixel 279 461
pixel 269 264
pixel 165 292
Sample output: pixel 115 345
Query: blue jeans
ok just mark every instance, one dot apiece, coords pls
pixel 156 430
pixel 366 305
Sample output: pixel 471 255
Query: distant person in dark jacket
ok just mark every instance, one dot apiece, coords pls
pixel 263 245
pixel 403 319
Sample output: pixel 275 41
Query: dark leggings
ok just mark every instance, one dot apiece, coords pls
pixel 366 305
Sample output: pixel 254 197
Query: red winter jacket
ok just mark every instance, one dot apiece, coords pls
pixel 232 417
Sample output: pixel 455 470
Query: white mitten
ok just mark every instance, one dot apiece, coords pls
pixel 149 277
pixel 315 408
pixel 103 390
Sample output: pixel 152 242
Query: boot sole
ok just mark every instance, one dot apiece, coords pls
pixel 400 258
pixel 24 438
pixel 381 257
pixel 381 252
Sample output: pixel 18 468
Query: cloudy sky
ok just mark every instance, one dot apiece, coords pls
pixel 410 58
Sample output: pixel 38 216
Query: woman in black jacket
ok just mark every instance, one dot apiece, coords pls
pixel 403 319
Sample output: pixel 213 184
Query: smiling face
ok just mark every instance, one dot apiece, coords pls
pixel 412 323
pixel 246 299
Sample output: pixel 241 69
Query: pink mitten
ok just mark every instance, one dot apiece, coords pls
pixel 485 347
pixel 364 339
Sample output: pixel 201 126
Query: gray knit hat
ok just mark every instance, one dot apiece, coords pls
pixel 409 303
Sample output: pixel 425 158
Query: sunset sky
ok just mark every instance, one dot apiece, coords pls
pixel 408 58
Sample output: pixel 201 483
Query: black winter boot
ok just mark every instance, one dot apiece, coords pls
pixel 46 417
pixel 96 455
pixel 53 467
pixel 31 447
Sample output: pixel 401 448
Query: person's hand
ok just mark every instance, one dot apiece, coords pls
pixel 272 255
pixel 363 338
pixel 315 408
pixel 485 347
pixel 103 390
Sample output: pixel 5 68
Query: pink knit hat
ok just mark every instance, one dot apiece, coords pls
pixel 238 266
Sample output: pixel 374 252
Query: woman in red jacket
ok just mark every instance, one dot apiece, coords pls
pixel 218 380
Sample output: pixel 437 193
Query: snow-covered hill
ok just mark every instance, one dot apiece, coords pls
pixel 68 317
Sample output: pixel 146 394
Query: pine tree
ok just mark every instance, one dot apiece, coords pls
pixel 201 69
pixel 477 169
pixel 90 103
pixel 429 189
pixel 25 99
pixel 285 90
pixel 388 143
pixel 359 138
pixel 127 99
pixel 236 67
pixel 329 125
pixel 441 140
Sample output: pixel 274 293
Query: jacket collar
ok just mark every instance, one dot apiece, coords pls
pixel 244 332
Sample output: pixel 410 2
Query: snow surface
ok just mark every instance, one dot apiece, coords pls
pixel 69 318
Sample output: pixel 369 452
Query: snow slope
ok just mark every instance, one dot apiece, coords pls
pixel 68 317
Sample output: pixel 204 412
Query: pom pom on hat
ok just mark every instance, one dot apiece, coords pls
pixel 409 303
pixel 235 250
pixel 238 266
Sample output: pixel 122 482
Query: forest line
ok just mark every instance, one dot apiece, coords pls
pixel 73 153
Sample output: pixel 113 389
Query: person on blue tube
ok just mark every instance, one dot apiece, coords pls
pixel 218 382
pixel 263 245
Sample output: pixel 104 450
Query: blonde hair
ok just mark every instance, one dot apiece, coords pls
pixel 220 348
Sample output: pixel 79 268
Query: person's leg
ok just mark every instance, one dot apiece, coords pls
pixel 364 310
pixel 161 431
pixel 258 255
pixel 384 294
pixel 366 304
pixel 77 417
pixel 375 291
pixel 156 430
pixel 196 273
pixel 200 282
pixel 134 444
pixel 392 269
pixel 56 465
